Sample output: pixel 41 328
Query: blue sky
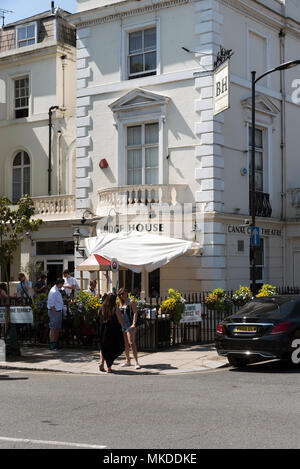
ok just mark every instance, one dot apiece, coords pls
pixel 25 8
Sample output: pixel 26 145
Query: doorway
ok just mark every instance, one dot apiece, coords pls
pixel 54 270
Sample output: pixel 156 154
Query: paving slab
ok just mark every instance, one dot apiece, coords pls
pixel 183 359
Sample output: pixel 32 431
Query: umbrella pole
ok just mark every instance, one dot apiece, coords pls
pixel 98 283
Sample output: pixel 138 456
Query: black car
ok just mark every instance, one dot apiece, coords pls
pixel 263 329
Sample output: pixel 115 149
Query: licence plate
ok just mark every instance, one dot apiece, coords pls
pixel 245 329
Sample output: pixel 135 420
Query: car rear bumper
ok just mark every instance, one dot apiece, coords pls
pixel 261 348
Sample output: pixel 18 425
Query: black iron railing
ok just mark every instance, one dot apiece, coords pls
pixel 157 332
pixel 262 204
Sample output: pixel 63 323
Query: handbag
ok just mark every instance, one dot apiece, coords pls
pixel 28 298
pixel 139 317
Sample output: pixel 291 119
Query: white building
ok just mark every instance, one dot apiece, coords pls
pixel 37 83
pixel 145 112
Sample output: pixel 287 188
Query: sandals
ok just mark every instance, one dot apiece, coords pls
pixel 101 368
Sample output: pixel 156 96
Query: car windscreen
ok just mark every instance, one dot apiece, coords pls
pixel 268 308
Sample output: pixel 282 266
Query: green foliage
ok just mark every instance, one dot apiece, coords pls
pixel 40 310
pixel 85 304
pixel 266 290
pixel 14 224
pixel 174 305
pixel 242 296
pixel 219 301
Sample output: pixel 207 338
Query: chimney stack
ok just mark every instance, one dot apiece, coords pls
pixel 52 8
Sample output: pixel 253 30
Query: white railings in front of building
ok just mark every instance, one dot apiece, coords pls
pixel 54 207
pixel 131 197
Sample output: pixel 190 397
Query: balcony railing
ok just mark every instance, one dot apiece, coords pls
pixel 134 196
pixel 55 206
pixel 262 204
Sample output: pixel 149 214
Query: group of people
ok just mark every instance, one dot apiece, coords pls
pixel 117 330
pixel 117 322
pixel 116 325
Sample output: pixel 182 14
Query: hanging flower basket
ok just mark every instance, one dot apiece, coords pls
pixel 241 296
pixel 174 305
pixel 267 290
pixel 218 301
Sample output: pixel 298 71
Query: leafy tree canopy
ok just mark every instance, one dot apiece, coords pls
pixel 14 224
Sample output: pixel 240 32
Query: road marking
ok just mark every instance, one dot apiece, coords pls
pixel 45 442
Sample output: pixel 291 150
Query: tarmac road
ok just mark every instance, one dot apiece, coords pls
pixel 254 408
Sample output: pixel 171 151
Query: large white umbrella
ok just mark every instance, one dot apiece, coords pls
pixel 140 251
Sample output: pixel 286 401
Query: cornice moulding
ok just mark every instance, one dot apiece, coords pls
pixel 102 17
pixel 265 15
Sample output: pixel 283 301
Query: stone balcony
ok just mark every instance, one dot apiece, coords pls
pixel 131 198
pixel 54 207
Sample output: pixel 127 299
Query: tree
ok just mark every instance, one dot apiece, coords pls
pixel 14 224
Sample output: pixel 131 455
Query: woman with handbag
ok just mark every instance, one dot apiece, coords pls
pixel 130 314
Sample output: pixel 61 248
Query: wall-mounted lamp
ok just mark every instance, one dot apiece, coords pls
pixel 77 238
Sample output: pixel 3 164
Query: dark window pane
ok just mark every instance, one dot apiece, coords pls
pixel 26 158
pixel 154 283
pixel 258 137
pixel 149 39
pixel 44 248
pixel 17 160
pixel 150 61
pixel 136 64
pixel 135 42
pixel 19 113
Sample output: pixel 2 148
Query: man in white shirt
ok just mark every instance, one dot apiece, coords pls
pixel 55 306
pixel 70 284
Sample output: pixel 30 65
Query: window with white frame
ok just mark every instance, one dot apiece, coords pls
pixel 259 160
pixel 21 97
pixel 26 35
pixel 142 52
pixel 20 176
pixel 142 154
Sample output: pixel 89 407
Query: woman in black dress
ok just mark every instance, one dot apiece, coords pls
pixel 111 335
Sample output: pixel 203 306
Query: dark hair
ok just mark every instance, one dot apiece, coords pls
pixel 66 272
pixel 43 276
pixel 121 291
pixel 3 286
pixel 109 307
pixel 20 276
pixel 59 280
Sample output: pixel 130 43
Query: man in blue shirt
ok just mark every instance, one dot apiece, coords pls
pixel 55 308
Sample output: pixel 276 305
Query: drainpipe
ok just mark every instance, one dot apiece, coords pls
pixel 283 126
pixel 283 147
pixel 51 109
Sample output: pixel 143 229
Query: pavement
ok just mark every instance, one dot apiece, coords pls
pixel 181 359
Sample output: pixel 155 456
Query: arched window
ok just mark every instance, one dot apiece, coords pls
pixel 20 176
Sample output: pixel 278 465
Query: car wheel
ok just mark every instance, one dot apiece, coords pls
pixel 237 362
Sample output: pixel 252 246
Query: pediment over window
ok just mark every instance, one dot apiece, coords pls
pixel 263 104
pixel 138 99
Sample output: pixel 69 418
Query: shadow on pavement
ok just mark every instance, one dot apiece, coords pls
pixel 275 366
pixel 8 378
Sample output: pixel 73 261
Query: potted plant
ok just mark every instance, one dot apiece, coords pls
pixel 174 305
pixel 241 296
pixel 266 290
pixel 84 309
pixel 218 300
